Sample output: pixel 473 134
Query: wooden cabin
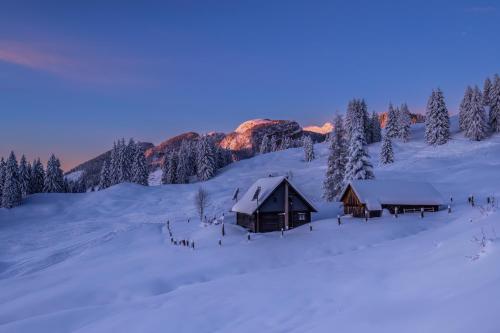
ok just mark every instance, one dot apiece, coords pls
pixel 271 204
pixel 370 197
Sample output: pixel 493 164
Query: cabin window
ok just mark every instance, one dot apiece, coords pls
pixel 302 216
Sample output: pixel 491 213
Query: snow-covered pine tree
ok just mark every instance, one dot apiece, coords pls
pixel 264 145
pixel 286 142
pixel 376 134
pixel 2 177
pixel 206 160
pixel 140 172
pixel 183 163
pixel 363 112
pixel 24 176
pixel 54 180
pixel 477 128
pixel 437 121
pixel 494 117
pixel 11 194
pixel 273 144
pixel 114 166
pixel 487 92
pixel 37 177
pixel 464 109
pixel 105 177
pixel 404 120
pixel 352 116
pixel 335 171
pixel 308 148
pixel 386 152
pixel 391 126
pixel 129 159
pixel 165 177
pixel 358 164
pixel 123 161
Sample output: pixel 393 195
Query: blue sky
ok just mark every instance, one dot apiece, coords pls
pixel 76 75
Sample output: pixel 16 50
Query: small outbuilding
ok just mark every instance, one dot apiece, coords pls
pixel 370 197
pixel 272 204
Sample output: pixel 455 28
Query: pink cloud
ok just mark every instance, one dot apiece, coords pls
pixel 86 68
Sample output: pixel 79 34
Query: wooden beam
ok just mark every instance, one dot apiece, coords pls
pixel 286 206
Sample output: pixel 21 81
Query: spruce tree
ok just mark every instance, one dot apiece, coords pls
pixel 464 109
pixel 494 117
pixel 273 144
pixel 358 161
pixel 335 171
pixel 140 172
pixel 24 176
pixel 11 194
pixel 264 145
pixel 2 177
pixel 404 120
pixel 437 121
pixel 286 142
pixel 206 160
pixel 487 92
pixel 165 167
pixel 386 152
pixel 37 177
pixel 376 131
pixel 363 112
pixel 391 127
pixel 183 163
pixel 477 128
pixel 114 167
pixel 308 148
pixel 54 180
pixel 105 177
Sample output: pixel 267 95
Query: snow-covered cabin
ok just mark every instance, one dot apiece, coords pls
pixel 372 196
pixel 271 204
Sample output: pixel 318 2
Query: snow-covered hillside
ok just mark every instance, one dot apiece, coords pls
pixel 102 261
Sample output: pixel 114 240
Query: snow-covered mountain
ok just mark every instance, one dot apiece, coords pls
pixel 242 142
pixel 102 261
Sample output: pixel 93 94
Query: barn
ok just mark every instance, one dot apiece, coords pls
pixel 271 204
pixel 370 197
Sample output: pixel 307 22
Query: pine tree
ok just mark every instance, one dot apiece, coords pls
pixel 363 112
pixel 129 159
pixel 437 121
pixel 487 92
pixel 140 173
pixel 391 127
pixel 477 127
pixel 376 134
pixel 114 167
pixel 495 104
pixel 264 145
pixel 123 162
pixel 273 144
pixel 308 148
pixel 165 167
pixel 404 120
pixel 105 177
pixel 335 171
pixel 54 180
pixel 464 109
pixel 11 194
pixel 206 160
pixel 386 152
pixel 358 162
pixel 2 177
pixel 24 176
pixel 183 163
pixel 286 142
pixel 37 177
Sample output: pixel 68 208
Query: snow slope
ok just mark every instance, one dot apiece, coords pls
pixel 102 261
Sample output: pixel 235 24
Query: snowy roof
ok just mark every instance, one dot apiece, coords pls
pixel 375 193
pixel 267 186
